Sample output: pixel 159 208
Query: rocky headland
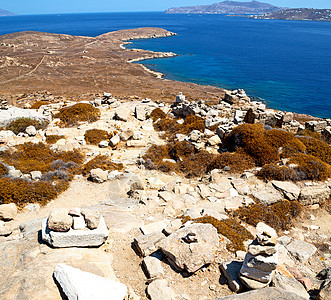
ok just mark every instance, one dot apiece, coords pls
pixel 116 184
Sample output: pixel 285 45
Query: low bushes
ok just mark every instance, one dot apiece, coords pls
pixel 157 114
pixel 3 169
pixel 317 148
pixel 80 112
pixel 95 136
pixel 275 172
pixel 52 139
pixel 39 103
pixel 20 124
pixel 279 215
pixel 103 162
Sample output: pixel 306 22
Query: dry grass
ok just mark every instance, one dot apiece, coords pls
pixel 80 112
pixel 52 139
pixel 95 136
pixel 38 104
pixel 157 114
pixel 3 169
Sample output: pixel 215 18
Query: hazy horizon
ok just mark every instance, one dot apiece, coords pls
pixel 74 6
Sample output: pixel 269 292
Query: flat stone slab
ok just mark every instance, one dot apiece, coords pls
pixel 75 238
pixel 301 250
pixel 77 284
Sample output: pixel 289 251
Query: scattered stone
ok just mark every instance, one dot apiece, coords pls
pixel 313 195
pixel 98 175
pixel 92 217
pixel 265 234
pixel 153 267
pixel 103 144
pixel 15 174
pixel 159 289
pixel 214 140
pixel 191 256
pixel 77 284
pixel 59 220
pixel 8 211
pixel 122 114
pixel 36 175
pixel 146 244
pixel 5 231
pixel 75 238
pixel 166 196
pixel 140 113
pixel 114 140
pixel 31 130
pixel 154 227
pixel 290 284
pixel 136 143
pixel 301 250
pixel 32 207
pixel 230 269
pixel 127 134
pixel 172 227
pixel 78 223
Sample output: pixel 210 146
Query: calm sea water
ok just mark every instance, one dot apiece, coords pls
pixel 286 63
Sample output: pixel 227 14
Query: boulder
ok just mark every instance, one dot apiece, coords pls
pixel 92 217
pixel 154 227
pixel 147 244
pixel 59 220
pixel 35 175
pixel 290 284
pixel 230 270
pixel 8 211
pixel 103 144
pixel 314 194
pixel 268 195
pixel 301 250
pixel 127 134
pixel 214 140
pixel 75 238
pixel 267 293
pixel 98 175
pixel 153 267
pixel 15 174
pixel 31 130
pixel 114 140
pixel 77 284
pixel 191 247
pixel 325 292
pixel 140 113
pixel 159 289
pixel 122 114
pixel 290 190
pixel 265 234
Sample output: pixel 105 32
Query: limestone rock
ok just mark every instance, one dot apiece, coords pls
pixel 290 284
pixel 153 267
pixel 267 293
pixel 5 231
pixel 15 174
pixel 230 269
pixel 77 284
pixel 268 195
pixel 35 175
pixel 172 227
pixel 59 220
pixel 290 190
pixel 265 234
pixel 98 175
pixel 315 194
pixel 13 113
pixel 75 238
pixel 122 114
pixel 31 130
pixel 191 247
pixel 127 134
pixel 154 227
pixel 103 144
pixel 214 140
pixel 147 244
pixel 92 217
pixel 8 211
pixel 325 292
pixel 159 289
pixel 140 113
pixel 301 250
pixel 114 140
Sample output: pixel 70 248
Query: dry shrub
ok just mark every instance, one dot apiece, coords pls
pixel 157 114
pixel 229 228
pixel 192 122
pixel 52 139
pixel 3 169
pixel 37 157
pixel 311 167
pixel 80 112
pixel 275 172
pixel 101 161
pixel 169 125
pixel 238 161
pixel 180 150
pixel 317 148
pixel 95 136
pixel 196 164
pixel 20 124
pixel 251 138
pixel 21 192
pixel 38 104
pixel 309 133
pixel 279 216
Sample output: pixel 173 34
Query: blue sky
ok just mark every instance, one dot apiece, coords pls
pixel 79 6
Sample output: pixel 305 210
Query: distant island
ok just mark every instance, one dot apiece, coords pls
pixel 227 7
pixel 309 14
pixel 4 13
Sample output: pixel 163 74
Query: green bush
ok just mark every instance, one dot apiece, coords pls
pixel 20 124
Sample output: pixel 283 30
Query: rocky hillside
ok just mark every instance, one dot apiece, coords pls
pixel 226 7
pixel 5 13
pixel 308 14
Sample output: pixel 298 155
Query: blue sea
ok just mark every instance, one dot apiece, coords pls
pixel 285 63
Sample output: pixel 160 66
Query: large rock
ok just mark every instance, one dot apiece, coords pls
pixel 92 217
pixel 77 284
pixel 290 284
pixel 75 238
pixel 59 220
pixel 8 211
pixel 268 195
pixel 98 175
pixel 314 194
pixel 31 130
pixel 140 113
pixel 265 234
pixel 153 267
pixel 230 269
pixel 13 113
pixel 301 250
pixel 290 190
pixel 268 293
pixel 160 290
pixel 147 244
pixel 191 247
pixel 325 292
pixel 122 114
